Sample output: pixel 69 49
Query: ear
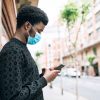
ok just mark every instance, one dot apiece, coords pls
pixel 27 26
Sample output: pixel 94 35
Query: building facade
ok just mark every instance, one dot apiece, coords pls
pixel 88 43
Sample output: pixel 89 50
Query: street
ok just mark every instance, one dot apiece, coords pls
pixel 88 87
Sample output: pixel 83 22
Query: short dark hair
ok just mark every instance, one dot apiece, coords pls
pixel 32 14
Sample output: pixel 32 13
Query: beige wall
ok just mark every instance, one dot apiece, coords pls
pixel 34 2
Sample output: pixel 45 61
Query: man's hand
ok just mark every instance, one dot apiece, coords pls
pixel 50 75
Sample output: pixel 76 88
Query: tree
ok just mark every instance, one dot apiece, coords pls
pixel 91 59
pixel 72 12
pixel 38 55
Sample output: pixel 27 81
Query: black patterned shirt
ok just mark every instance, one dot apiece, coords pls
pixel 19 76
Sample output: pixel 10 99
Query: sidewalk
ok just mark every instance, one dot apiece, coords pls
pixel 55 94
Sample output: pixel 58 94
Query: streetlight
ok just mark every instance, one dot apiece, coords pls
pixel 49 53
pixel 61 56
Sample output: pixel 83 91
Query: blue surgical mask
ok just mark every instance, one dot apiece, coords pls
pixel 34 40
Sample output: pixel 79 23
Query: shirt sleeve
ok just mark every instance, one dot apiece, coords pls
pixel 11 87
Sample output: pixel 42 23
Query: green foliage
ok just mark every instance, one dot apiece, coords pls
pixel 70 13
pixel 91 59
pixel 85 11
pixel 38 54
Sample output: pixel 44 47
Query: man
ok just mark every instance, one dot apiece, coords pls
pixel 19 76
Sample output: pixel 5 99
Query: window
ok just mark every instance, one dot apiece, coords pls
pixel 89 23
pixel 90 33
pixel 98 16
pixel 98 30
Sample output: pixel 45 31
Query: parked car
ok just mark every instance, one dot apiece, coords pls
pixel 73 72
pixel 63 73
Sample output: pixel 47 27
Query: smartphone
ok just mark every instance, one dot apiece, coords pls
pixel 59 67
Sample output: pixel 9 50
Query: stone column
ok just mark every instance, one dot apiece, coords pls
pixel 0 23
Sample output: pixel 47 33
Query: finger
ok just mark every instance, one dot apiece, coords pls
pixel 52 68
pixel 56 71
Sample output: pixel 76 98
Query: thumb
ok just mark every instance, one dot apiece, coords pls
pixel 56 71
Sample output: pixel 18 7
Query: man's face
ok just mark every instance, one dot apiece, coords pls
pixel 39 27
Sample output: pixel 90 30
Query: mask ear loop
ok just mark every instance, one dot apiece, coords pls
pixel 32 28
pixel 25 35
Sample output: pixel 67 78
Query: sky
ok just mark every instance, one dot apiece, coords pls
pixel 52 8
